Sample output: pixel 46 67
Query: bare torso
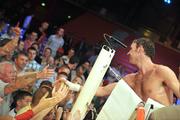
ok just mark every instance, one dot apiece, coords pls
pixel 151 85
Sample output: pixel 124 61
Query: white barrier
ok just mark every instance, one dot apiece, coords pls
pixel 93 81
pixel 122 103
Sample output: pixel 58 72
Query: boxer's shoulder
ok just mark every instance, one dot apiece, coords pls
pixel 161 69
pixel 129 79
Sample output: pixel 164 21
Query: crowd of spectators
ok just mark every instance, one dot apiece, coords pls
pixel 32 69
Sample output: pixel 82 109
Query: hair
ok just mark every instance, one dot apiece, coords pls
pixel 67 51
pixel 45 86
pixel 65 67
pixel 3 65
pixel 79 69
pixel 74 60
pixel 58 28
pixel 44 22
pixel 83 62
pixel 86 61
pixel 71 49
pixel 20 53
pixel 32 48
pixel 35 43
pixel 49 49
pixel 148 46
pixel 19 95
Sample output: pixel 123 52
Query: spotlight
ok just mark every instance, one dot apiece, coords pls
pixel 43 4
pixel 168 1
pixel 69 17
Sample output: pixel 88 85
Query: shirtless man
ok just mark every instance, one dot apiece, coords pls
pixel 154 81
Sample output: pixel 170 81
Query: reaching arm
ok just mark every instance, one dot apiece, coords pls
pixel 3 52
pixel 44 106
pixel 27 78
pixel 101 91
pixel 11 45
pixel 42 114
pixel 105 90
pixel 58 112
pixel 58 96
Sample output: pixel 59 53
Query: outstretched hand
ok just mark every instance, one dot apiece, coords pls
pixel 59 81
pixel 57 96
pixel 11 45
pixel 59 112
pixel 46 73
pixel 62 91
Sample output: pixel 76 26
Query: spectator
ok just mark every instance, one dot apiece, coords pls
pixel 20 61
pixel 56 41
pixel 21 99
pixel 32 65
pixel 30 40
pixel 66 58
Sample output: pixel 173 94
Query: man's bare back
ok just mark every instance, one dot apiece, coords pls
pixel 151 85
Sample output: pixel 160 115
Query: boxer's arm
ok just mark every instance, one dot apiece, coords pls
pixel 101 91
pixel 105 90
pixel 171 80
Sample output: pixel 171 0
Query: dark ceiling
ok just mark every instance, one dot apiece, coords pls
pixel 150 13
